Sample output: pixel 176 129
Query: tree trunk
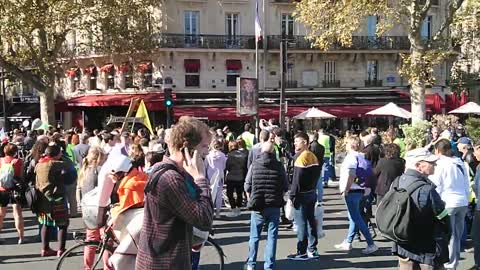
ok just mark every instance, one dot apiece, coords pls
pixel 47 106
pixel 417 87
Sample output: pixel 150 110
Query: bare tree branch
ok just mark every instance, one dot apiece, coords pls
pixel 26 77
pixel 455 5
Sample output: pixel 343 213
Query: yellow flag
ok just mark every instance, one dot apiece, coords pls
pixel 143 113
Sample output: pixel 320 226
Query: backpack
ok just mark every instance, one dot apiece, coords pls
pixel 155 176
pixel 363 171
pixel 394 213
pixel 7 173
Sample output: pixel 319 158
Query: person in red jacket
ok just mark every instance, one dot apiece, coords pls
pixel 11 151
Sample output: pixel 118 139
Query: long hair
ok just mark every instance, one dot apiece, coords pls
pixel 95 157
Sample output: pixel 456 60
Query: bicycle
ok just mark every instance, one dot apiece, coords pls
pixel 72 259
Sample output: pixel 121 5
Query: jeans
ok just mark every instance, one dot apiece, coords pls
pixel 89 251
pixel 271 217
pixel 304 216
pixel 320 190
pixel 326 170
pixel 457 223
pixel 476 238
pixel 355 219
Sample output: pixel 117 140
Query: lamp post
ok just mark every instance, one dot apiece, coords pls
pixel 4 99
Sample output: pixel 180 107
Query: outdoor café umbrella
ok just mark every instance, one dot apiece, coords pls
pixel 391 109
pixel 470 107
pixel 314 113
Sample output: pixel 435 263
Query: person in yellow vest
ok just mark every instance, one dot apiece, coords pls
pixel 248 136
pixel 327 167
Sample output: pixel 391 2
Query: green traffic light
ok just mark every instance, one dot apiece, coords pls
pixel 168 102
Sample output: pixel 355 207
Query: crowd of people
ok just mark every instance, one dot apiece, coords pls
pixel 170 176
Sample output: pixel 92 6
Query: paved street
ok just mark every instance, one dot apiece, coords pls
pixel 232 235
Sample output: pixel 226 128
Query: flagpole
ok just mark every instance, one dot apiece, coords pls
pixel 257 39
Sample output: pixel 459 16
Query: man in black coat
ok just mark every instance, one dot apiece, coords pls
pixel 319 151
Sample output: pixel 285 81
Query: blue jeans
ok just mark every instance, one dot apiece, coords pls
pixel 320 190
pixel 195 256
pixel 355 220
pixel 326 170
pixel 457 223
pixel 271 217
pixel 304 216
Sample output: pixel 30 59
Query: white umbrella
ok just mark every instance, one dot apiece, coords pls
pixel 470 107
pixel 391 109
pixel 314 113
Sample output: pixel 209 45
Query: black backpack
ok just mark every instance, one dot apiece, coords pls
pixel 394 213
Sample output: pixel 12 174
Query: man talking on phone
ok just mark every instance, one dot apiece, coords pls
pixel 177 198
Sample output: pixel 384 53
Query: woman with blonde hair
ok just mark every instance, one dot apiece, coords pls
pixel 87 181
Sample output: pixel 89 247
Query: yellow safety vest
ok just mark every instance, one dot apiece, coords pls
pixel 249 139
pixel 324 140
pixel 402 146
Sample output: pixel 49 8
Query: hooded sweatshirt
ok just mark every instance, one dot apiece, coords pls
pixel 215 160
pixel 451 179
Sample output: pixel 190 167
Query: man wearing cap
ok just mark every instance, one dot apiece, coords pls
pixel 429 216
pixel 451 180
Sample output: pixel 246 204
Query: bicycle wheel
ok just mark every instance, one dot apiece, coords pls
pixel 72 259
pixel 211 256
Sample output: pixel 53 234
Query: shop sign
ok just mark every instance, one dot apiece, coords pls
pixel 25 99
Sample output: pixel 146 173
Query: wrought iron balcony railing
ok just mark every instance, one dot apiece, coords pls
pixel 358 43
pixel 206 41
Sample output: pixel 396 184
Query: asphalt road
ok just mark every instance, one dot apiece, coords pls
pixel 233 236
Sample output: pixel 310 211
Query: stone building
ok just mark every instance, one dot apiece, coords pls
pixel 207 44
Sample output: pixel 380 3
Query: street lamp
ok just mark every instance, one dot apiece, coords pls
pixel 3 76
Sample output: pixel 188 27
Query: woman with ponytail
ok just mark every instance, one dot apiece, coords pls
pixel 87 181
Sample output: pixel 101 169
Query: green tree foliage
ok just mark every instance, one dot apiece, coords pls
pixel 416 133
pixel 33 35
pixel 473 128
pixel 335 21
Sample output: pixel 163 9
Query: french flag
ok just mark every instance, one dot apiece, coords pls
pixel 258 26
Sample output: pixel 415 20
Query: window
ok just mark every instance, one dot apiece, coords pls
pixel 111 79
pixel 127 71
pixel 287 25
pixel 234 67
pixel 329 75
pixel 426 31
pixel 92 74
pixel 192 72
pixel 191 26
pixel 372 70
pixel 147 74
pixel 232 29
pixel 372 26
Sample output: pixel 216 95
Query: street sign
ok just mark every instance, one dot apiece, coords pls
pixel 25 99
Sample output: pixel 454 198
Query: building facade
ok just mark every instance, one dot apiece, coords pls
pixel 207 44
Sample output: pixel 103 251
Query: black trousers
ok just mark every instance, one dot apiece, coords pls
pixel 235 187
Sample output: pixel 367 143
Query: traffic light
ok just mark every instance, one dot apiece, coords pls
pixel 167 92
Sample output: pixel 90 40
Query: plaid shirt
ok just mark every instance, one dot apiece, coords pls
pixel 172 208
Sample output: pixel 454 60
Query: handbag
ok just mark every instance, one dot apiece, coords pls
pixel 289 210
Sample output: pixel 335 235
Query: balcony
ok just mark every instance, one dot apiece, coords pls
pixel 331 84
pixel 206 41
pixel 373 83
pixel 358 43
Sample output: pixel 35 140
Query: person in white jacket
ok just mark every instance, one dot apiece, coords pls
pixel 451 179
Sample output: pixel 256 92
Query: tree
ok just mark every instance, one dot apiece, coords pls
pixel 33 34
pixel 334 21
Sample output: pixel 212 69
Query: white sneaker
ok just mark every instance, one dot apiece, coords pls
pixel 370 249
pixel 344 246
pixel 249 267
